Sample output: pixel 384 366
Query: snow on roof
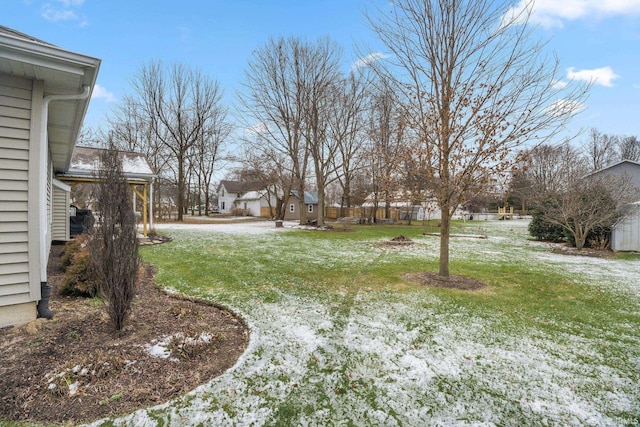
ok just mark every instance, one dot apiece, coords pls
pixel 252 195
pixel 86 160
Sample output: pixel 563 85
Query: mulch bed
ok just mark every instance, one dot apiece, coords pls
pixel 72 369
pixel 433 280
pixel 398 241
pixel 564 249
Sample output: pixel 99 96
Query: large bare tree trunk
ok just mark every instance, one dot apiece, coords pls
pixel 445 226
pixel 302 207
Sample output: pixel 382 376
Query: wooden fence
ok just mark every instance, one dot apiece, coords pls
pixel 267 212
pixel 333 213
pixel 395 214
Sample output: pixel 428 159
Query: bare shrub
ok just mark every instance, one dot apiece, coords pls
pixel 114 243
pixel 240 212
pixel 190 345
pixel 79 279
pixel 71 248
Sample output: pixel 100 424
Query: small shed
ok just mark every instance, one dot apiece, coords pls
pixel 625 234
pixel 292 208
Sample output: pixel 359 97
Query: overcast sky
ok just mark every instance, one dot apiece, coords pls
pixel 596 40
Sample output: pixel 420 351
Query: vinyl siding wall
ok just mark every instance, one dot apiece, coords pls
pixel 15 124
pixel 60 225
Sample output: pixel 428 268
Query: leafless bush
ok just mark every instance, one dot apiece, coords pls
pixel 79 279
pixel 240 212
pixel 114 246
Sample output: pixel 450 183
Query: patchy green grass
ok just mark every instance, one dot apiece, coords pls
pixel 338 337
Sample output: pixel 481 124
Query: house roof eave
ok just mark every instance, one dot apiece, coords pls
pixel 63 73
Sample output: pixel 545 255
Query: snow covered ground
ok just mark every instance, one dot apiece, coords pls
pixel 249 227
pixel 380 358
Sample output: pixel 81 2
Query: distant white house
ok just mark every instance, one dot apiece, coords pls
pixel 427 209
pixel 44 95
pixel 250 197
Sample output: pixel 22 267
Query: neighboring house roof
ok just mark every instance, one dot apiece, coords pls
pixel 310 197
pixel 251 195
pixel 624 168
pixel 86 160
pixel 241 187
pixel 630 162
pixel 62 73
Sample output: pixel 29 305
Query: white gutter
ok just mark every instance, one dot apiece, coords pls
pixel 45 231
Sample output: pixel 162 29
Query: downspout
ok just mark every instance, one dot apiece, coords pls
pixel 44 228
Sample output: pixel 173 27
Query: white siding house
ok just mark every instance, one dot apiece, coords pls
pixel 252 202
pixel 60 211
pixel 247 196
pixel 44 94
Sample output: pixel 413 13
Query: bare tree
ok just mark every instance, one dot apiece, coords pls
pixel 629 148
pixel 548 167
pixel 587 202
pixel 274 100
pixel 89 137
pixel 114 244
pixel 321 76
pixel 289 83
pixel 385 130
pixel 131 129
pixel 600 149
pixel 178 102
pixel 477 87
pixel 269 168
pixel 346 128
pixel 209 149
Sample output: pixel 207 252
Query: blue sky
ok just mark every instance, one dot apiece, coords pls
pixel 595 39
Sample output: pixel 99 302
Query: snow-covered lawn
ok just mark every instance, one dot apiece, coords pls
pixel 342 346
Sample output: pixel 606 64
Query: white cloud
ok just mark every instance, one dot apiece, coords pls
pixel 553 13
pixel 559 84
pixel 64 10
pixel 55 15
pixel 367 60
pixel 636 85
pixel 257 129
pixel 69 3
pixel 601 76
pixel 99 92
pixel 563 106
